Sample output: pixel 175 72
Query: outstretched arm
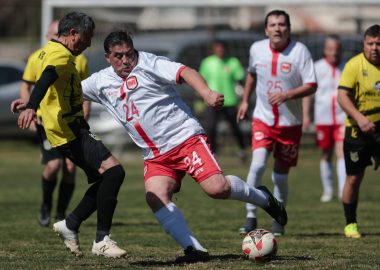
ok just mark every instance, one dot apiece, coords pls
pixel 196 81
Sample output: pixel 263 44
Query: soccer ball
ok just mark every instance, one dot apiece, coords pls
pixel 259 245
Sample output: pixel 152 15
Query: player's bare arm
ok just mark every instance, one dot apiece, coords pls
pixel 349 108
pixel 196 81
pixel 248 88
pixel 277 98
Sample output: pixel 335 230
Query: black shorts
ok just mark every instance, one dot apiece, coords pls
pixel 86 151
pixel 359 148
pixel 48 153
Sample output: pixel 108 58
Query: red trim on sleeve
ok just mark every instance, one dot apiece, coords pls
pixel 147 140
pixel 177 77
pixel 312 84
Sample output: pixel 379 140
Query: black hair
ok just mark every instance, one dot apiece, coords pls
pixel 373 31
pixel 117 38
pixel 77 20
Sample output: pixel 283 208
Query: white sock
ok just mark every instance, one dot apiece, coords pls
pixel 241 191
pixel 341 172
pixel 255 174
pixel 173 222
pixel 326 176
pixel 280 187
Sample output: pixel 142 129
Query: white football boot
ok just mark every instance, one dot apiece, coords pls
pixel 70 238
pixel 108 248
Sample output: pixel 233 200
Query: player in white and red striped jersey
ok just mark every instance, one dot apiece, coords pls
pixel 329 116
pixel 138 91
pixel 283 72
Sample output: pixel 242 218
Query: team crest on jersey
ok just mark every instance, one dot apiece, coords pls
pixel 286 67
pixel 132 83
pixel 365 73
pixel 354 156
pixel 258 135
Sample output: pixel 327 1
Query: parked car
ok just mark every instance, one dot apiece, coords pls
pixel 10 80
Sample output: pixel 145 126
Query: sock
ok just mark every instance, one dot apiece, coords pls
pixel 241 191
pixel 280 187
pixel 84 209
pixel 326 176
pixel 255 174
pixel 174 224
pixel 107 196
pixel 350 212
pixel 100 235
pixel 47 191
pixel 65 193
pixel 341 172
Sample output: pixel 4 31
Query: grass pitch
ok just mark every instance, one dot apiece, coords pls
pixel 313 239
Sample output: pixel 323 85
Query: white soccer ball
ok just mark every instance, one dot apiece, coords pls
pixel 259 245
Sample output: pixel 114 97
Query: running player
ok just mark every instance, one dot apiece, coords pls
pixel 329 116
pixel 283 72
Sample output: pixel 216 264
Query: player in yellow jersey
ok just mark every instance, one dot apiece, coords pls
pixel 59 96
pixel 359 97
pixel 51 157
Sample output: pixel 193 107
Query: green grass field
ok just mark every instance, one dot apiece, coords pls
pixel 313 238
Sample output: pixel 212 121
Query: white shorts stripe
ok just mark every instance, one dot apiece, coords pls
pixel 209 152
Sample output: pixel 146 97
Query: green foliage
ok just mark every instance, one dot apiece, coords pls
pixel 313 239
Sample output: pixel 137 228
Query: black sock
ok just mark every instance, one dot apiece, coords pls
pixel 65 193
pixel 47 191
pixel 107 196
pixel 350 212
pixel 100 235
pixel 84 209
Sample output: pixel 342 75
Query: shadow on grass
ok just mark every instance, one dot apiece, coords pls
pixel 213 258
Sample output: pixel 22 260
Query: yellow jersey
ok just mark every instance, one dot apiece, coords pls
pixel 362 79
pixel 30 71
pixel 62 103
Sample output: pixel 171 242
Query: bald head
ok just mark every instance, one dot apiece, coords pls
pixel 52 30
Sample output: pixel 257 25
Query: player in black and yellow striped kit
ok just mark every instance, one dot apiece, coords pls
pixel 59 96
pixel 359 97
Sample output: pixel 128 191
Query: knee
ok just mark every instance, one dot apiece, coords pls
pixel 220 189
pixel 53 166
pixel 115 174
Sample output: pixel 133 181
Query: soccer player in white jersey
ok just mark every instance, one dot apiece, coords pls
pixel 329 116
pixel 283 72
pixel 137 89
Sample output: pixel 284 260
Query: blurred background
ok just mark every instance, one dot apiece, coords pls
pixel 180 30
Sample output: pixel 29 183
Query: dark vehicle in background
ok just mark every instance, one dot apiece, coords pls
pixel 10 80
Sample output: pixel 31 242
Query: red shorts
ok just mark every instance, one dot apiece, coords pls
pixel 284 140
pixel 193 156
pixel 328 135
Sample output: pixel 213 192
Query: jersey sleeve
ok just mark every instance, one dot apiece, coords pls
pixel 81 65
pixel 89 88
pixel 349 76
pixel 307 67
pixel 251 66
pixel 238 70
pixel 30 72
pixel 166 70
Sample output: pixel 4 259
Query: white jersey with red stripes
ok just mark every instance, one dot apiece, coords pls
pixel 326 108
pixel 146 103
pixel 280 71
